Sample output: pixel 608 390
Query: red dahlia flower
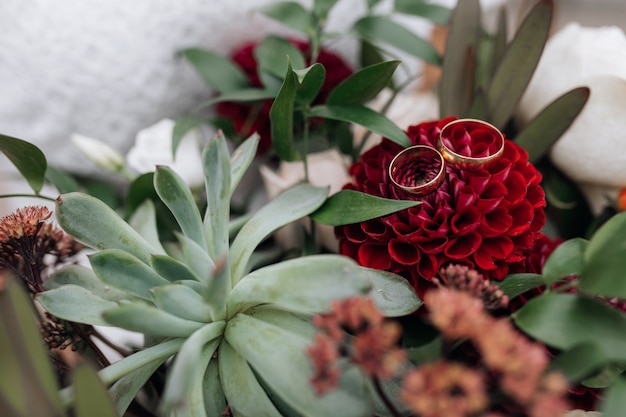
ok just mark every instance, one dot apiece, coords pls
pixel 487 219
pixel 255 117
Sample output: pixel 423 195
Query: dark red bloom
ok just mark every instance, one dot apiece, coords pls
pixel 487 219
pixel 254 117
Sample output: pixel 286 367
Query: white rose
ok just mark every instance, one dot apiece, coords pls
pixel 327 168
pixel 153 146
pixel 592 151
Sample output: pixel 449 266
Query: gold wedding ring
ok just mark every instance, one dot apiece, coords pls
pixel 468 162
pixel 417 170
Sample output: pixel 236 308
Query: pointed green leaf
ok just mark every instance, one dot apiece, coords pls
pixel 177 196
pixel 392 294
pixel 182 301
pixel 275 55
pixel 196 258
pixel 376 28
pixel 290 14
pixel 242 95
pixel 74 303
pixel 241 159
pixel 614 402
pixel 349 206
pixel 218 290
pixel 297 323
pixel 291 205
pixel 142 318
pixel 144 221
pixel 517 284
pixel 279 357
pixel 321 8
pixel 216 162
pixel 125 389
pixel 62 181
pixel 171 269
pixel 461 45
pixel 363 85
pixel 27 158
pixel 548 126
pixel 94 223
pixel 518 63
pixel 92 398
pixel 121 270
pixel 213 393
pixel 246 397
pixel 579 362
pixel 86 279
pixel 281 117
pixel 566 260
pixel 311 81
pixel 500 39
pixel 305 285
pixel 365 117
pixel 216 70
pixel 434 12
pixel 183 125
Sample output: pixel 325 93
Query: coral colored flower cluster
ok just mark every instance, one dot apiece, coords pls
pixel 254 117
pixel 487 219
pixel 371 344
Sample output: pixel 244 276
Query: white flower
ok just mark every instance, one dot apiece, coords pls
pixel 153 146
pixel 99 153
pixel 592 151
pixel 327 168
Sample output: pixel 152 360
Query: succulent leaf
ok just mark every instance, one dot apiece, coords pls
pixel 171 269
pixel 144 222
pixel 74 303
pixel 87 279
pixel 392 294
pixel 139 317
pixel 241 159
pixel 181 301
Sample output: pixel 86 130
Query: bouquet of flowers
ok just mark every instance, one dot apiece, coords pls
pixel 448 268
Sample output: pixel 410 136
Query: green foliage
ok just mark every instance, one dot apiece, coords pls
pixel 27 158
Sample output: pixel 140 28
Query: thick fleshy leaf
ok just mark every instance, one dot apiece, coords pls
pixel 218 290
pixel 94 223
pixel 183 125
pixel 28 384
pixel 243 95
pixel 614 402
pixel 181 301
pixel 392 294
pixel 311 80
pixel 349 206
pixel 461 45
pixel 307 285
pixel 579 362
pixel 275 55
pixel 213 393
pixel 126 388
pixel 184 384
pixel 196 258
pixel 74 303
pixel 142 318
pixel 177 196
pixel 86 279
pixel 363 85
pixel 365 117
pixel 281 118
pixel 246 397
pixel 289 206
pixel 300 324
pixel 518 63
pixel 605 260
pixel 241 159
pixel 125 272
pixel 548 126
pixel 144 221
pixel 605 377
pixel 321 8
pixel 217 70
pixel 567 320
pixel 517 284
pixel 378 28
pixel 62 181
pixel 27 158
pixel 433 12
pixel 291 14
pixel 279 357
pixel 92 398
pixel 171 269
pixel 216 162
pixel 566 260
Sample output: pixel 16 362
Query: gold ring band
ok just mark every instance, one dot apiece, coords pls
pixel 468 162
pixel 417 170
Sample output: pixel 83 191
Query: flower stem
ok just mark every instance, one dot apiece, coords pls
pixel 43 197
pixel 381 393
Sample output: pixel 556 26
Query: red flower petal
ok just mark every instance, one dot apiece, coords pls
pixel 463 246
pixel 374 256
pixel 404 253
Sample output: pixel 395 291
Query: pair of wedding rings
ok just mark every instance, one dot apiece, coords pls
pixel 419 170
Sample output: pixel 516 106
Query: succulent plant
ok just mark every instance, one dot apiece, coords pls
pixel 238 334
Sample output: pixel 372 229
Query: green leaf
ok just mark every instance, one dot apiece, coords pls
pixel 289 206
pixel 382 29
pixel 171 269
pixel 62 181
pixel 365 117
pixel 605 377
pixel 279 358
pixel 605 260
pixel 392 294
pixel 241 159
pixel 349 206
pixel 305 285
pixel 218 290
pixel 214 399
pixel 144 221
pixel 94 223
pixel 567 259
pixel 124 390
pixel 276 55
pixel 311 81
pixel 457 70
pixel 183 125
pixel 614 402
pixel 27 158
pixel 74 303
pixel 142 318
pixel 290 14
pixel 433 12
pixel 86 279
pixel 299 324
pixel 579 362
pixel 363 85
pixel 242 95
pixel 517 284
pixel 548 126
pixel 321 8
pixel 196 258
pixel 92 398
pixel 518 64
pixel 281 118
pixel 564 321
pixel 176 195
pixel 216 70
pixel 28 385
pixel 245 395
pixel 123 271
pixel 182 301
